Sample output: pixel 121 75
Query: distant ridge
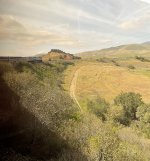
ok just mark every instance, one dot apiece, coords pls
pixel 147 43
pixel 129 50
pixel 40 55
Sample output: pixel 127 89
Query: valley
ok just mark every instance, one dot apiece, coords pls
pixel 108 80
pixel 84 109
pixel 74 80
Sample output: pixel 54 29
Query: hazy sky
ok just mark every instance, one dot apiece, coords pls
pixel 29 27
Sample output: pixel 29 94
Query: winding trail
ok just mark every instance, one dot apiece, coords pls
pixel 73 88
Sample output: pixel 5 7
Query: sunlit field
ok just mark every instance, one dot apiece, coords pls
pixel 107 80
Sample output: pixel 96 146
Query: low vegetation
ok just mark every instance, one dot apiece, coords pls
pixel 112 95
pixel 48 125
pixel 142 59
pixel 131 67
pixel 99 107
pixel 129 102
pixel 115 63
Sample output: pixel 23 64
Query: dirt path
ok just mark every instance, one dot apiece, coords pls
pixel 73 88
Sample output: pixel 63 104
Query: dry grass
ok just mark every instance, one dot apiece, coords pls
pixel 107 81
pixel 137 63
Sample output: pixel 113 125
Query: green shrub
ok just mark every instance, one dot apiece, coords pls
pixel 115 114
pixel 130 102
pixel 99 107
pixel 143 115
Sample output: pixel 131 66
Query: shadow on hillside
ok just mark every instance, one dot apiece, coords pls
pixel 21 131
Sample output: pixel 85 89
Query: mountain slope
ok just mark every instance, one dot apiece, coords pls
pixel 130 50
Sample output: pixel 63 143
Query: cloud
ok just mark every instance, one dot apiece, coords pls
pixel 71 25
pixel 142 22
pixel 11 29
pixel 148 1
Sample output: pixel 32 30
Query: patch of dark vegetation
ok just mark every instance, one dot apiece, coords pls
pixel 99 107
pixel 130 102
pixel 115 63
pixel 130 109
pixel 108 60
pixel 103 60
pixel 142 59
pixel 131 67
pixel 49 72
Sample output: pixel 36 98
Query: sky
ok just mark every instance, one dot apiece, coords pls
pixel 30 27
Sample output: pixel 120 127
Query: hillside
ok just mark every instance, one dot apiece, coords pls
pixel 96 85
pixel 130 50
pixel 55 54
pixel 41 122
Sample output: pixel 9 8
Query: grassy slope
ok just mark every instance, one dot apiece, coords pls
pixel 38 109
pixel 84 133
pixel 107 80
pixel 122 51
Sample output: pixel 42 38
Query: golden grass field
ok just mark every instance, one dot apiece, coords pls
pixel 107 80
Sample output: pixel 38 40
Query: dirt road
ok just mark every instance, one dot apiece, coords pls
pixel 73 88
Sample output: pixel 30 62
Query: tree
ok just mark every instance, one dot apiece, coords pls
pixel 130 102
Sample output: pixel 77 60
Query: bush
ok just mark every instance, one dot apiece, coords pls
pixel 142 59
pixel 99 107
pixel 103 60
pixel 115 63
pixel 129 152
pixel 131 67
pixel 130 102
pixel 143 115
pixel 115 114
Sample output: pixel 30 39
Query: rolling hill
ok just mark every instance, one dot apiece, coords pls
pixel 56 54
pixel 130 50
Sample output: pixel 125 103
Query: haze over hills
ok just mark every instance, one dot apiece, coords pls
pixel 129 50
